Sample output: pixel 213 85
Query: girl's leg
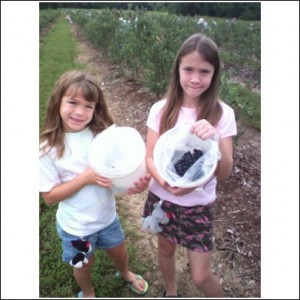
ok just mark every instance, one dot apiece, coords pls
pixel 119 257
pixel 166 261
pixel 202 274
pixel 84 280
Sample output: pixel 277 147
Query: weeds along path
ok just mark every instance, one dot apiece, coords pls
pixel 237 231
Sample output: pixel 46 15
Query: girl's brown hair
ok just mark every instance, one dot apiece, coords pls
pixel 209 107
pixel 72 83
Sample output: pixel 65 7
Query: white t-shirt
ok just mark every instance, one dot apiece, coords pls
pixel 90 209
pixel 226 127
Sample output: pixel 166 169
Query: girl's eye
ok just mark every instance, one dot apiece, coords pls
pixel 204 71
pixel 90 107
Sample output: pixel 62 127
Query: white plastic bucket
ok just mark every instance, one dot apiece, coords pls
pixel 119 153
pixel 166 146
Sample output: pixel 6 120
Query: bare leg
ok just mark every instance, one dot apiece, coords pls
pixel 84 279
pixel 119 257
pixel 166 261
pixel 202 274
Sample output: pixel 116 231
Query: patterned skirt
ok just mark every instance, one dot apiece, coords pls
pixel 190 227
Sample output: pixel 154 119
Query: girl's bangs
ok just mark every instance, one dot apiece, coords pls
pixel 84 90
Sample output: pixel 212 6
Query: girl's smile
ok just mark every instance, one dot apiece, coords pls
pixel 76 113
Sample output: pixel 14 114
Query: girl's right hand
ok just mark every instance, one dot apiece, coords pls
pixel 176 190
pixel 92 177
pixel 203 129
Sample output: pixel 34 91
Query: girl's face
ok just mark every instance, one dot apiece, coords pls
pixel 76 112
pixel 195 76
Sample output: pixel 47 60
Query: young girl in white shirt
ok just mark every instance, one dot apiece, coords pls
pixel 86 211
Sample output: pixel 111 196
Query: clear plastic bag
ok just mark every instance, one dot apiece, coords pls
pixel 171 147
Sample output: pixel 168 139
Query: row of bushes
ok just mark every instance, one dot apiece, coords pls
pixel 147 42
pixel 46 17
pixel 144 44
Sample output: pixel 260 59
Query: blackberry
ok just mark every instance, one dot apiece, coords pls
pixel 186 161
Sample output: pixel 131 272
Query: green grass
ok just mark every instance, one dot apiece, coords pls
pixel 57 55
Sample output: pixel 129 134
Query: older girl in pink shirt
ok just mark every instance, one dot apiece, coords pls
pixel 192 97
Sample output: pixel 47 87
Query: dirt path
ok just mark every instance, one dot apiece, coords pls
pixel 237 230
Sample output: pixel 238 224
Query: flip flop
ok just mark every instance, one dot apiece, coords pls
pixel 132 287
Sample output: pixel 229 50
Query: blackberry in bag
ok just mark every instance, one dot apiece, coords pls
pixel 187 160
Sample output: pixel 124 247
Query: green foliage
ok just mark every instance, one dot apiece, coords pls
pixel 246 103
pixel 246 11
pixel 233 44
pixel 47 16
pixel 100 29
pixel 144 44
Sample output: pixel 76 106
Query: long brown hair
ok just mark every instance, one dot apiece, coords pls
pixel 209 107
pixel 73 82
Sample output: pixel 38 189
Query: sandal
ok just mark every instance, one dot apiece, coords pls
pixel 134 289
pixel 131 286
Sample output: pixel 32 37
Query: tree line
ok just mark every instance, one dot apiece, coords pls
pixel 240 10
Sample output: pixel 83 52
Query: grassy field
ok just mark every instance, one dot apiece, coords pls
pixel 57 55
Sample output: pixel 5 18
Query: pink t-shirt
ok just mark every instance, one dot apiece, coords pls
pixel 226 127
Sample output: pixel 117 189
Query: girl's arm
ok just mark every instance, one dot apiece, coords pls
pixel 152 138
pixel 226 161
pixel 63 191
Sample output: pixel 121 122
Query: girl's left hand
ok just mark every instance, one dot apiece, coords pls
pixel 203 129
pixel 140 185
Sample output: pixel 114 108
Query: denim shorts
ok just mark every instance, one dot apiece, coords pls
pixel 106 238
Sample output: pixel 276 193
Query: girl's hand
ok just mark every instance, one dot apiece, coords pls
pixel 176 190
pixel 203 130
pixel 92 177
pixel 140 185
